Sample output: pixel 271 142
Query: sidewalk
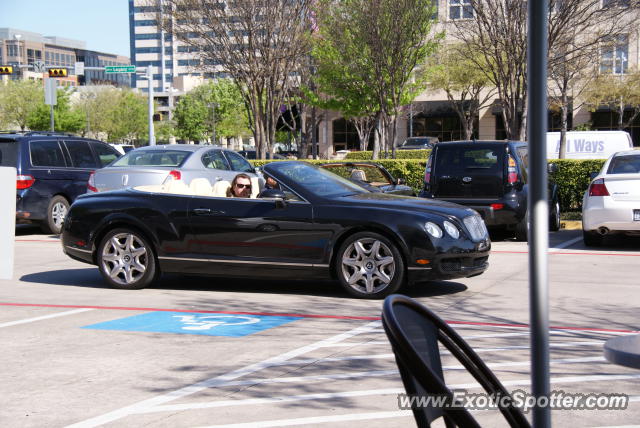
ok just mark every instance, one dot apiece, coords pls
pixel 571 224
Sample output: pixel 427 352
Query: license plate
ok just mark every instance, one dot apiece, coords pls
pixel 636 215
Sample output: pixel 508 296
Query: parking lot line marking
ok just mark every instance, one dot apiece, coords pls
pixel 556 253
pixel 281 399
pixel 44 317
pixel 565 244
pixel 215 381
pixel 505 348
pixel 318 420
pixel 319 316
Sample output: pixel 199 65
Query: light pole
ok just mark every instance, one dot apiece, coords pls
pixel 213 107
pixel 149 76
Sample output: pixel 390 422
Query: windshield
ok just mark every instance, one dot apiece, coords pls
pixel 317 180
pixel 144 158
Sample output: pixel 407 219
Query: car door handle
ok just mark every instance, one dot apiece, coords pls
pixel 202 211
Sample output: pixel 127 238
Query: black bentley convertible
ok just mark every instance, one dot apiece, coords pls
pixel 314 225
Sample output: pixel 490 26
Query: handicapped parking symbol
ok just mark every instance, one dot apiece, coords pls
pixel 209 324
pixel 193 322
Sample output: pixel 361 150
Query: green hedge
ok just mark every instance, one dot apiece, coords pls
pixel 400 154
pixel 572 176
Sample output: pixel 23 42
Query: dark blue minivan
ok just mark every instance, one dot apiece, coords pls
pixel 53 169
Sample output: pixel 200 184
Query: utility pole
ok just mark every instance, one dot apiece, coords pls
pixel 152 137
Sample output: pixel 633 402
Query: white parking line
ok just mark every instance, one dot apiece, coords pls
pixel 319 420
pixel 218 380
pixel 565 244
pixel 44 317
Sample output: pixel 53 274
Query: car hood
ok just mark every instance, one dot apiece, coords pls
pixel 401 203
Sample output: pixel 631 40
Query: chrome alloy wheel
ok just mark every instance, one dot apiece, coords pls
pixel 58 213
pixel 368 265
pixel 124 258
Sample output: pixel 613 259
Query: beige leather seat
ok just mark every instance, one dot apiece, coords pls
pixel 255 187
pixel 220 188
pixel 177 187
pixel 358 174
pixel 200 186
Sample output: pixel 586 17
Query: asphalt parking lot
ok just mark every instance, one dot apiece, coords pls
pixel 197 351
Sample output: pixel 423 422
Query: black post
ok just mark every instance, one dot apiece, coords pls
pixel 538 207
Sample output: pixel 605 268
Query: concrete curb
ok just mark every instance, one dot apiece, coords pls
pixel 571 224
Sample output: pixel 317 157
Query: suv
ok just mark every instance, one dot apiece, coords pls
pixel 490 177
pixel 52 169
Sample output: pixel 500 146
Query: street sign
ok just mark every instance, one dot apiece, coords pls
pixel 120 69
pixel 50 92
pixel 39 67
pixel 79 68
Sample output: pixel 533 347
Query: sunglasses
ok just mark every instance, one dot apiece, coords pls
pixel 242 186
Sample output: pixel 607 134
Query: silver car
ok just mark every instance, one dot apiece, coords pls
pixel 157 164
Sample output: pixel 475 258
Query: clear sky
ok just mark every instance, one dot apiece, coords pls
pixel 102 24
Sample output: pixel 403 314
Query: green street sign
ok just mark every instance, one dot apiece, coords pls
pixel 120 69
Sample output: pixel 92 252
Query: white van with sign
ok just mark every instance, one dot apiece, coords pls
pixel 589 144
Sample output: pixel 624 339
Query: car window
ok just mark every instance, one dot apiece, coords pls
pixel 523 154
pixel 463 158
pixel 46 153
pixel 238 163
pixel 105 154
pixel 81 155
pixel 153 158
pixel 215 159
pixel 624 165
pixel 8 152
pixel 318 180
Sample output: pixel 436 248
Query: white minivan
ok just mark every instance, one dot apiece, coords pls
pixel 589 144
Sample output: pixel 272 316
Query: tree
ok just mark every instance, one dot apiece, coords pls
pixel 67 118
pixel 258 43
pixel 218 103
pixel 379 43
pixel 619 92
pixel 467 87
pixel 498 35
pixel 19 99
pixel 580 31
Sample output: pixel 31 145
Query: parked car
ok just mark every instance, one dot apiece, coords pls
pixel 315 225
pixel 155 164
pixel 611 205
pixel 52 169
pixel 372 176
pixel 251 154
pixel 123 148
pixel 418 143
pixel 490 177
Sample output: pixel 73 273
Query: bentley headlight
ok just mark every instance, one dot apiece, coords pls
pixel 451 229
pixel 433 229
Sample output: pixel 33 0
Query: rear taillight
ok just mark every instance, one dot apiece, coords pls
pixel 24 181
pixel 427 174
pixel 497 206
pixel 91 183
pixel 512 172
pixel 598 188
pixel 175 174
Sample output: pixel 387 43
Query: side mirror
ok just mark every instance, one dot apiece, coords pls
pixel 552 168
pixel 276 194
pixel 593 175
pixel 400 181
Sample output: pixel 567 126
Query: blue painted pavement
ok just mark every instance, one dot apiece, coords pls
pixel 195 323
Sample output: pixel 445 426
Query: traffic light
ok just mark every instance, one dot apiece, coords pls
pixel 57 72
pixel 6 69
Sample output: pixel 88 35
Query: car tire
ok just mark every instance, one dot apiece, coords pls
pixel 126 259
pixel 522 228
pixel 592 239
pixel 56 212
pixel 369 266
pixel 554 217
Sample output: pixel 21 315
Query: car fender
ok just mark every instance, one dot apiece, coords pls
pixel 120 219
